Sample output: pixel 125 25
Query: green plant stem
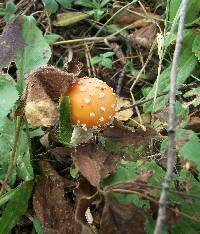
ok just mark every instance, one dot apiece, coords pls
pixel 13 155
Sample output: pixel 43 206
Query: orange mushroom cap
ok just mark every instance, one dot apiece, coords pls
pixel 92 103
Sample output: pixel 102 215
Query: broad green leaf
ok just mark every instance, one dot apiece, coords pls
pixel 187 64
pixel 108 54
pixel 7 131
pixel 191 207
pixel 16 207
pixel 96 59
pixel 10 7
pixel 70 18
pixel 106 62
pixel 36 51
pixel 52 38
pixel 8 95
pixel 192 9
pixel 65 3
pixel 7 196
pixel 196 46
pixel 24 165
pixel 50 5
pixel 85 3
pixel 191 151
pixel 2 11
pixel 65 129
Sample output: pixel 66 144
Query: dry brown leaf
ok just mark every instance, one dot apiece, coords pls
pixel 55 213
pixel 94 162
pixel 131 15
pixel 43 90
pixel 10 42
pixel 125 137
pixel 85 196
pixel 144 36
pixel 120 219
pixel 126 114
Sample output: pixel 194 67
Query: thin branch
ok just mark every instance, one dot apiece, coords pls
pixel 172 123
pixel 13 156
pixel 139 103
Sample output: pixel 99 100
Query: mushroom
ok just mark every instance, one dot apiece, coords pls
pixel 92 103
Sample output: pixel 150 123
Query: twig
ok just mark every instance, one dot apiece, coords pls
pixel 139 103
pixel 120 80
pixel 172 123
pixel 13 156
pixel 86 39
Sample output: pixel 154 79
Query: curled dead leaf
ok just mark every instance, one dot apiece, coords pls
pixel 43 90
pixel 94 162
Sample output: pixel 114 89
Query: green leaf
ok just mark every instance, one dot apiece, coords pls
pixel 65 129
pixel 24 165
pixel 50 5
pixel 36 52
pixel 65 3
pixel 196 46
pixel 192 9
pixel 187 64
pixel 2 11
pixel 37 226
pixel 8 94
pixel 52 38
pixel 95 60
pixel 108 54
pixel 195 92
pixel 7 131
pixel 10 7
pixel 191 151
pixel 85 3
pixel 106 62
pixel 16 207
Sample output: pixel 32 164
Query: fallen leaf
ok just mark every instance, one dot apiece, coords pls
pixel 85 196
pixel 126 137
pixel 129 16
pixel 126 114
pixel 43 90
pixel 11 41
pixel 144 36
pixel 54 211
pixel 120 219
pixel 69 18
pixel 94 162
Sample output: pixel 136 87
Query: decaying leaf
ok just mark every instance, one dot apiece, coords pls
pixel 11 41
pixel 70 18
pixel 85 196
pixel 125 137
pixel 120 219
pixel 94 162
pixel 145 22
pixel 43 90
pixel 126 114
pixel 54 211
pixel 129 16
pixel 144 36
